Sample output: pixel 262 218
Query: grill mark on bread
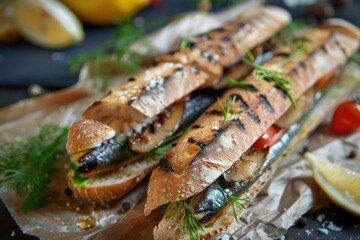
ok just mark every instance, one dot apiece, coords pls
pixel 108 93
pixel 254 117
pixel 131 79
pixel 266 103
pixel 214 112
pixel 196 126
pixel 239 124
pixel 302 64
pixel 281 54
pixel 191 140
pixel 201 144
pixel 165 165
pixel 195 70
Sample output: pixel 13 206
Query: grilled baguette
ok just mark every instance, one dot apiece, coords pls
pixel 221 48
pixel 201 155
pixel 178 74
pixel 145 95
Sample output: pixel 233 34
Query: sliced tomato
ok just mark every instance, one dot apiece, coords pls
pixel 269 138
pixel 326 79
pixel 346 118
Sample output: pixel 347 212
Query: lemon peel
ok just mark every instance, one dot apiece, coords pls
pixel 339 183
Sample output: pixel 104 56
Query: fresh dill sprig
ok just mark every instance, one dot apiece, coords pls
pixel 127 60
pixel 286 35
pixel 78 180
pixel 355 57
pixel 191 224
pixel 126 149
pixel 238 84
pixel 26 166
pixel 264 74
pixel 185 43
pixel 227 109
pixel 165 145
pixel 235 201
pixel 298 48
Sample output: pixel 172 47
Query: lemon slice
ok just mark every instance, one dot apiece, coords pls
pixel 47 23
pixel 339 183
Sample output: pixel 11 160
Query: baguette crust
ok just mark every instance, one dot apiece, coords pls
pixel 109 186
pixel 223 47
pixel 170 227
pixel 145 95
pixel 87 134
pixel 203 154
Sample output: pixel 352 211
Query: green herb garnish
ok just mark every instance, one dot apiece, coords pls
pixel 298 48
pixel 185 43
pixel 127 60
pixel 78 180
pixel 27 165
pixel 238 84
pixel 191 225
pixel 227 109
pixel 355 57
pixel 286 35
pixel 235 201
pixel 264 74
pixel 165 145
pixel 126 149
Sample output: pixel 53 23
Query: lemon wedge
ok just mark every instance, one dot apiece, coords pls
pixel 100 12
pixel 339 183
pixel 47 23
pixel 8 30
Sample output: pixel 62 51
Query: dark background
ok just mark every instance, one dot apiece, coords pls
pixel 22 64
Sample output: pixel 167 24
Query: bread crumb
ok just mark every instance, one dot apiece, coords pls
pixel 12 233
pixel 308 232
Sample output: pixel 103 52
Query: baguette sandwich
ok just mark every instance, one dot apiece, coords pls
pixel 122 135
pixel 217 167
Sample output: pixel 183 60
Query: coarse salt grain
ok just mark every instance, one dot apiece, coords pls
pixel 323 231
pixel 320 218
pixel 333 227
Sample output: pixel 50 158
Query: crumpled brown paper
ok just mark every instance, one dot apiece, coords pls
pixel 271 214
pixel 292 191
pixel 58 219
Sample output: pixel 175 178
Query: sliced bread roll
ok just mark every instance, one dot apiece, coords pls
pixel 109 186
pixel 145 95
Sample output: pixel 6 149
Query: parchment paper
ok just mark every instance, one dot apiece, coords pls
pixel 289 194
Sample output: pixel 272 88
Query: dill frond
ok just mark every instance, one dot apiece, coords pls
pixel 26 166
pixel 191 225
pixel 238 84
pixel 235 201
pixel 264 74
pixel 185 43
pixel 226 110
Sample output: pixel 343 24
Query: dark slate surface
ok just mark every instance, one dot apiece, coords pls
pixel 22 64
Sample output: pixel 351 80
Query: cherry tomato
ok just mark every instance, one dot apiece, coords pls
pixel 346 118
pixel 266 139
